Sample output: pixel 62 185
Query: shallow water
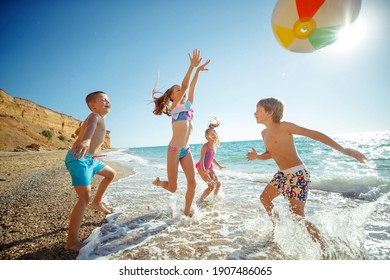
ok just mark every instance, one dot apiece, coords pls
pixel 348 202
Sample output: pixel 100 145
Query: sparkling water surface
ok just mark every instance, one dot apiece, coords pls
pixel 348 202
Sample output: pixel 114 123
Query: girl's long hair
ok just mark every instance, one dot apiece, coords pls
pixel 161 104
pixel 212 126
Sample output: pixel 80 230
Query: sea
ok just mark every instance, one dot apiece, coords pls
pixel 348 202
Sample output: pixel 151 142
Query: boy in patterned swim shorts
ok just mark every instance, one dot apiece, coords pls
pixel 293 179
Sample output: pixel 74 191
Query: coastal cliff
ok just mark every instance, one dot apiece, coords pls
pixel 25 125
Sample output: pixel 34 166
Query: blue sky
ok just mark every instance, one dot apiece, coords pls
pixel 55 52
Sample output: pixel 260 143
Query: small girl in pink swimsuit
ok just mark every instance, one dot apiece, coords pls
pixel 205 164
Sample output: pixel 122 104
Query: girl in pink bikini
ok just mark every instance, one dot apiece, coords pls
pixel 205 164
pixel 174 103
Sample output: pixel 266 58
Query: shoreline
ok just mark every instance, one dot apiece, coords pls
pixel 36 198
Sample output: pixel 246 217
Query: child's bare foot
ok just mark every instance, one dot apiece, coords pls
pixel 156 181
pixel 100 207
pixel 275 217
pixel 189 214
pixel 74 246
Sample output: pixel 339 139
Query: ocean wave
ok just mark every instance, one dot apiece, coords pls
pixel 349 205
pixel 122 156
pixel 234 175
pixel 348 183
pixel 375 193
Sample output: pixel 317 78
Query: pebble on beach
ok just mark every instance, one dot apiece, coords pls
pixel 36 198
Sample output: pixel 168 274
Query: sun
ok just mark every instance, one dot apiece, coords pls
pixel 350 37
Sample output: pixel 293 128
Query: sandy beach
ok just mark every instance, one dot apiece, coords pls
pixel 36 198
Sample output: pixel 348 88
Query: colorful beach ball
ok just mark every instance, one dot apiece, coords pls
pixel 309 25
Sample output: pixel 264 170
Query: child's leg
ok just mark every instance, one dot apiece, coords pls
pixel 76 217
pixel 172 169
pixel 210 184
pixel 217 182
pixel 269 193
pixel 109 174
pixel 298 208
pixel 208 190
pixel 188 166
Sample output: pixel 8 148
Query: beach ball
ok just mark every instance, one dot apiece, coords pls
pixel 309 25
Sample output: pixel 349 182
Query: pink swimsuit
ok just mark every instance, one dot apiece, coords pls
pixel 208 159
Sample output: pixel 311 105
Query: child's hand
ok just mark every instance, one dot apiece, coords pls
pixel 195 59
pixel 81 149
pixel 203 66
pixel 356 154
pixel 252 155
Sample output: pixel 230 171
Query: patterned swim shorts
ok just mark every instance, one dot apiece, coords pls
pixel 293 183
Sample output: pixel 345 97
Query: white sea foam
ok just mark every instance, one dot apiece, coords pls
pixel 348 203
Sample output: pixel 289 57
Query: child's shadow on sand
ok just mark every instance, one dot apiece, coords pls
pixel 112 237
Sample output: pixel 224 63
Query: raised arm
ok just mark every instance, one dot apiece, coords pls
pixel 195 59
pixel 321 137
pixel 194 62
pixel 191 92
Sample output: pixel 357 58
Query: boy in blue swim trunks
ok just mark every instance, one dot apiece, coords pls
pixel 293 179
pixel 82 165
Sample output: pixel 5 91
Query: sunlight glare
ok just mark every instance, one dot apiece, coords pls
pixel 350 37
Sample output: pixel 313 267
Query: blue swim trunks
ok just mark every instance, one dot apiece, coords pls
pixel 82 170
